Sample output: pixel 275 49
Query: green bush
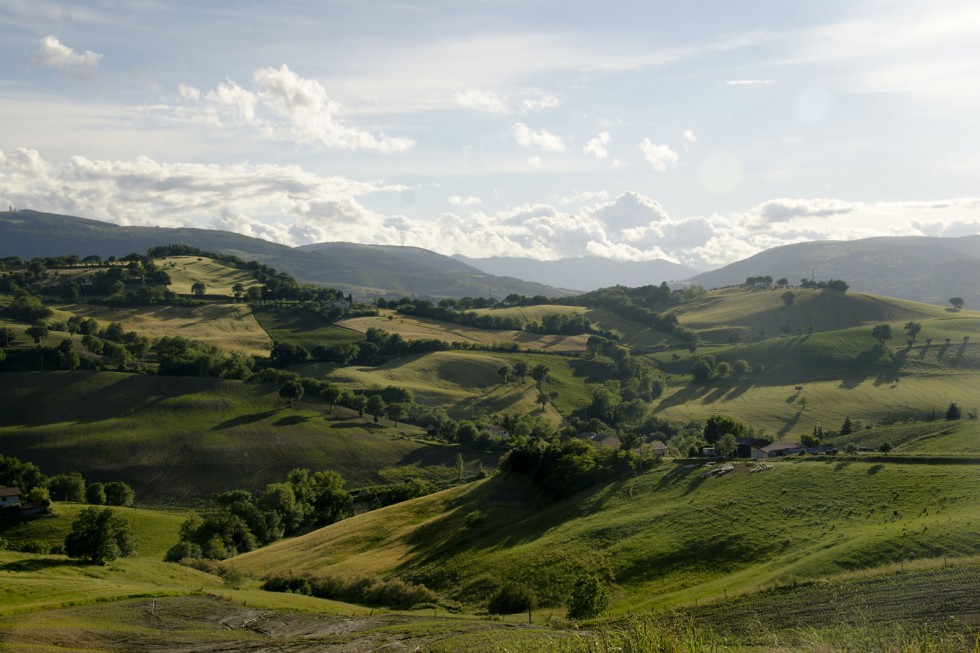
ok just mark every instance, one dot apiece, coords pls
pixel 589 598
pixel 510 599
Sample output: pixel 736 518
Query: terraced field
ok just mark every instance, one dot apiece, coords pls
pixel 219 278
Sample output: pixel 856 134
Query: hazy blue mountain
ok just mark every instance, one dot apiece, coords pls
pixel 362 269
pixel 924 269
pixel 585 273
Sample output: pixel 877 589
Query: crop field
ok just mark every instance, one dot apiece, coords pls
pixel 155 530
pixel 179 439
pixel 298 327
pixel 666 538
pixel 219 278
pixel 420 328
pixel 230 327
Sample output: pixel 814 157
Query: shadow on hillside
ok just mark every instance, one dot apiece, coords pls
pixel 874 469
pixel 40 564
pixel 292 420
pixel 244 419
pixel 791 424
pixel 688 393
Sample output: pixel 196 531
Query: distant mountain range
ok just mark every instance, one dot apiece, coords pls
pixel 361 269
pixel 930 270
pixel 585 273
pixel 923 269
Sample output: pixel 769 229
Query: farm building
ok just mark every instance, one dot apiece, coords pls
pixel 777 449
pixel 9 496
pixel 658 448
pixel 746 447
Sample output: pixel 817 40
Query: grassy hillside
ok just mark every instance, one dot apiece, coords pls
pixel 466 383
pixel 664 538
pixel 180 439
pixel 298 327
pixel 219 278
pixel 230 327
pixel 155 530
pixel 420 328
pixel 719 313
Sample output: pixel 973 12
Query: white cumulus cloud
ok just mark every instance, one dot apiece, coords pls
pixel 543 139
pixel 481 100
pixel 658 156
pixel 597 146
pixel 458 200
pixel 284 106
pixel 689 136
pixel 56 54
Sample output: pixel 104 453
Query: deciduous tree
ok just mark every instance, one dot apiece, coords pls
pixel 99 536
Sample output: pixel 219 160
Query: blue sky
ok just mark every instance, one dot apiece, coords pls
pixel 698 132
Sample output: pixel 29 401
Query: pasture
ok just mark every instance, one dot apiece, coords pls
pixel 229 327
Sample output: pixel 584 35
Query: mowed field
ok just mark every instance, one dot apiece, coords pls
pixel 420 328
pixel 178 440
pixel 664 538
pixel 230 327
pixel 219 278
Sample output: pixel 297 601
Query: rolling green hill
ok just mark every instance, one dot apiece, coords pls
pixel 923 269
pixel 664 538
pixel 178 440
pixel 362 269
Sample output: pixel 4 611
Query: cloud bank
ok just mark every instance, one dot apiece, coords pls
pixel 289 205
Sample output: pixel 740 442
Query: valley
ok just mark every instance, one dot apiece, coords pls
pixel 523 444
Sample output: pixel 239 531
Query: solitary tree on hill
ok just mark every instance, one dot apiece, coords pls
pixel 521 369
pixel 912 329
pixel 199 288
pixel 100 536
pixel 957 302
pixel 503 372
pixel 953 412
pixel 291 391
pixel 540 373
pixel 882 332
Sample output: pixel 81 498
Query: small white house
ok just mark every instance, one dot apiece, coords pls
pixel 9 496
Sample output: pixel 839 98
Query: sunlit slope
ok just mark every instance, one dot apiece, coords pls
pixel 230 327
pixel 466 383
pixel 178 439
pixel 720 313
pixel 665 537
pixel 154 531
pixel 419 328
pixel 219 277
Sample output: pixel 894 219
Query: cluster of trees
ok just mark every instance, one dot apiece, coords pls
pixel 378 346
pixel 39 489
pixel 240 521
pixel 121 347
pixel 838 285
pixel 706 368
pixel 392 593
pixel 562 468
pixel 179 356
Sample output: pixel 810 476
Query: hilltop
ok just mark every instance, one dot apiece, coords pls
pixel 923 269
pixel 362 269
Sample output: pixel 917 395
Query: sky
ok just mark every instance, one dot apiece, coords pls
pixel 695 132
